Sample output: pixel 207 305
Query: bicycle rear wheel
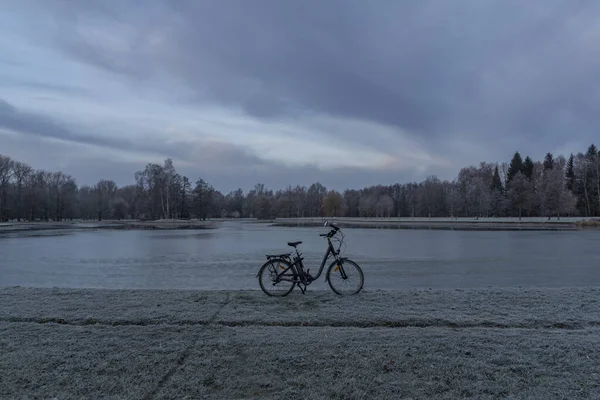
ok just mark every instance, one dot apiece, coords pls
pixel 276 277
pixel 345 277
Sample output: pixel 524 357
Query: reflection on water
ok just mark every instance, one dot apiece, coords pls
pixel 182 235
pixel 230 256
pixel 36 234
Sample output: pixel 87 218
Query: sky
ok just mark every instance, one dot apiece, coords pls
pixel 344 92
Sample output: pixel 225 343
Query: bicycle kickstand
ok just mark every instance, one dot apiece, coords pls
pixel 302 289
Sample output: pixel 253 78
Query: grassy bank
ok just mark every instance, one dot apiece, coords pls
pixel 512 343
pixel 531 224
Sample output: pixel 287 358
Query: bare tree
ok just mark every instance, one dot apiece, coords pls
pixel 384 206
pixel 432 195
pixel 104 192
pixel 314 196
pixel 552 189
pixel 396 195
pixel 167 181
pixel 21 172
pixel 474 188
pixel 6 173
pixel 582 180
pixel 367 205
pixel 594 165
pixel 453 200
pixel 334 205
pixel 519 192
pixel 352 199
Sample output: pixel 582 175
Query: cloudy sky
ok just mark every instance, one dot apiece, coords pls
pixel 348 93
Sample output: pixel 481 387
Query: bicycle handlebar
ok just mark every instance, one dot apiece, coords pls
pixel 331 232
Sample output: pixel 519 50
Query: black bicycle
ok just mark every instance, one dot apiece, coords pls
pixel 281 272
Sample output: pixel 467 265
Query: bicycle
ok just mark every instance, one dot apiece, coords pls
pixel 287 270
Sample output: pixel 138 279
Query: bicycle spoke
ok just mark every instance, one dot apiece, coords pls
pixel 276 278
pixel 346 278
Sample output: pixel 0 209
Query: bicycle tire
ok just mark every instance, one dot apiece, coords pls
pixel 290 274
pixel 342 262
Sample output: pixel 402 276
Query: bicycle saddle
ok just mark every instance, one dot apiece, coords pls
pixel 294 244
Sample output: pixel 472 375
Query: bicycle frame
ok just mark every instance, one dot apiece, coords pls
pixel 298 261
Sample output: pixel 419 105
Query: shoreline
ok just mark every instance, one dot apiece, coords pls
pixel 18 227
pixel 418 343
pixel 460 224
pixel 469 224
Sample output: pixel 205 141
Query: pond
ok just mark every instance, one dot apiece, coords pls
pixel 229 257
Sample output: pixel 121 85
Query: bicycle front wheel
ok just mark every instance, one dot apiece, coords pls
pixel 345 277
pixel 276 277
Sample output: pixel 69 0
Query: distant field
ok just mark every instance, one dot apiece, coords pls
pixel 419 344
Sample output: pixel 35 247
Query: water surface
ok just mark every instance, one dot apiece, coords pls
pixel 230 256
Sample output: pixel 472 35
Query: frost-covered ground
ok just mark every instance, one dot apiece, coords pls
pixel 509 343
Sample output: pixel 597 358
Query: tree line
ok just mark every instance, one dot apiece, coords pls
pixel 553 187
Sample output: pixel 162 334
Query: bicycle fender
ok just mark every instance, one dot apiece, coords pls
pixel 268 261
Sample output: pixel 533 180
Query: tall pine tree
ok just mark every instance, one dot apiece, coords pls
pixel 496 181
pixel 528 168
pixel 516 165
pixel 592 180
pixel 548 161
pixel 592 151
pixel 570 174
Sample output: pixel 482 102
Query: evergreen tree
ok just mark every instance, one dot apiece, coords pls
pixel 592 180
pixel 496 181
pixel 548 161
pixel 528 168
pixel 554 186
pixel 592 151
pixel 497 199
pixel 202 199
pixel 516 165
pixel 570 173
pixel 519 193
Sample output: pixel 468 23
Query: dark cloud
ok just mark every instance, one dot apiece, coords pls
pixel 29 123
pixel 235 169
pixel 496 76
pixel 223 165
pixel 430 67
pixel 207 155
pixel 222 161
pixel 51 87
